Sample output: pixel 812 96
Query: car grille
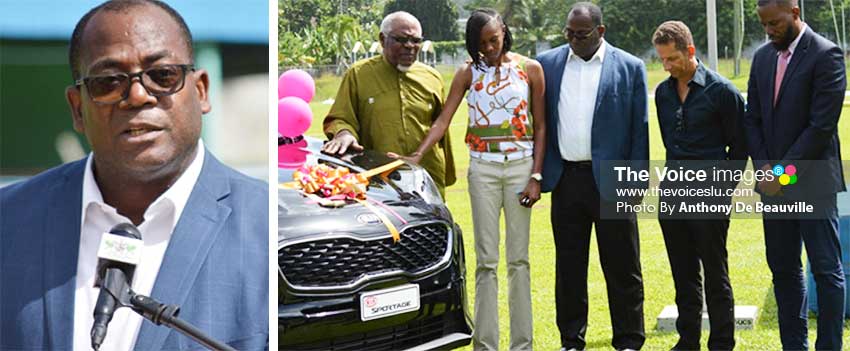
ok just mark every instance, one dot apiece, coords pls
pixel 387 339
pixel 344 261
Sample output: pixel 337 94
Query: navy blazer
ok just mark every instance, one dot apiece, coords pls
pixel 215 267
pixel 804 123
pixel 620 119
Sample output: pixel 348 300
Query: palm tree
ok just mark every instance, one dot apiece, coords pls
pixel 530 23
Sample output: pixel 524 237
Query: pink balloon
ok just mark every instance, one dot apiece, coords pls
pixel 293 116
pixel 298 83
pixel 291 156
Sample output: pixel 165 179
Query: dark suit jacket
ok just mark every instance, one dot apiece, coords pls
pixel 802 129
pixel 215 267
pixel 619 130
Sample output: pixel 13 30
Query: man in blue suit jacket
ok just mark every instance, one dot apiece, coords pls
pixel 139 101
pixel 795 94
pixel 596 105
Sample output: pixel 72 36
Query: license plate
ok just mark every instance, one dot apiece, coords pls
pixel 389 302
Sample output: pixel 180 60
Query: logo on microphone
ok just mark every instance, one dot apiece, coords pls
pixel 120 248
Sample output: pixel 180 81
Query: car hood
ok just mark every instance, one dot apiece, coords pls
pixel 399 198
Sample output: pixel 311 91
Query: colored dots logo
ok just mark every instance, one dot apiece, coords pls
pixel 787 175
pixel 790 170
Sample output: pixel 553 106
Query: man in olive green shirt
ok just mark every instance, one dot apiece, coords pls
pixel 388 102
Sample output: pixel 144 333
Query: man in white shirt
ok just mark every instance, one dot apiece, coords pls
pixel 597 112
pixel 138 100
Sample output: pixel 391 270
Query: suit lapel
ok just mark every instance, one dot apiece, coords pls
pixel 197 229
pixel 606 77
pixel 554 84
pixel 768 79
pixel 799 55
pixel 61 249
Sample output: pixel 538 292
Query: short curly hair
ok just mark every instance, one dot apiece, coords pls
pixel 75 49
pixel 673 32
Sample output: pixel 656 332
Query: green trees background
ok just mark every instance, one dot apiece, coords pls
pixel 438 17
pixel 318 32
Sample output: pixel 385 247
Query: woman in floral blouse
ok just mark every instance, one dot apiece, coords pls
pixel 505 135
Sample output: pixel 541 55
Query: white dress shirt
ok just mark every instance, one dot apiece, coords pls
pixel 576 104
pixel 97 218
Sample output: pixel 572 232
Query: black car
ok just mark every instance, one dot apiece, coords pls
pixel 345 284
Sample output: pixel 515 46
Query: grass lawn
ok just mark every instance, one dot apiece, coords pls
pixel 751 279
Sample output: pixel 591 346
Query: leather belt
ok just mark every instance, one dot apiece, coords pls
pixel 578 164
pixel 501 157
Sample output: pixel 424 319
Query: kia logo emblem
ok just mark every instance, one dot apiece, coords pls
pixel 371 301
pixel 368 218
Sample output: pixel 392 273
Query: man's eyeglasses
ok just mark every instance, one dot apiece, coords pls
pixel 680 120
pixel 570 34
pixel 405 40
pixel 158 81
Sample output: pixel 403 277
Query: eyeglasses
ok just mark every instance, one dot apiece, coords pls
pixel 158 81
pixel 570 34
pixel 405 40
pixel 680 120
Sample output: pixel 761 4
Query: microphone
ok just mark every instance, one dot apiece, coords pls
pixel 119 252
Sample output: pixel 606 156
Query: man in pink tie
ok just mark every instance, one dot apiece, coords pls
pixel 795 94
pixel 781 65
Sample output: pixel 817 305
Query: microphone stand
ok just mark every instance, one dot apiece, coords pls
pixel 160 314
